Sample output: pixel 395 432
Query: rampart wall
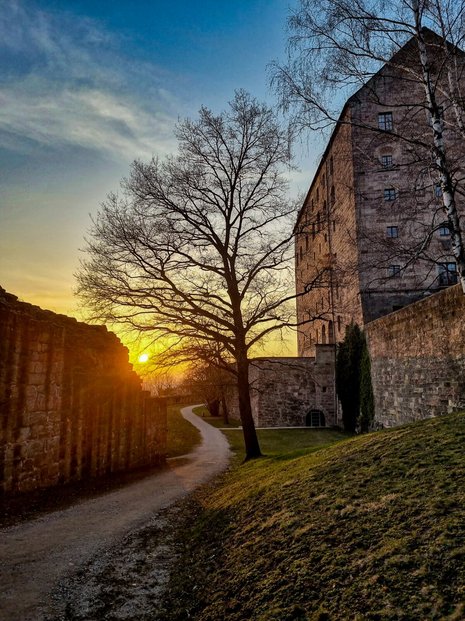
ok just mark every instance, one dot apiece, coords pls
pixel 418 359
pixel 71 407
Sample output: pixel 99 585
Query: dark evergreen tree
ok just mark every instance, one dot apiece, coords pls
pixel 367 401
pixel 348 375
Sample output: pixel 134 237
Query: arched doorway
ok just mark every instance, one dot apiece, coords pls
pixel 315 418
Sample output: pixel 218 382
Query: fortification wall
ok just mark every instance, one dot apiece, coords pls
pixel 418 359
pixel 71 406
pixel 284 390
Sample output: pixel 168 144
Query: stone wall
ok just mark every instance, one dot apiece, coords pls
pixel 71 406
pixel 418 359
pixel 285 390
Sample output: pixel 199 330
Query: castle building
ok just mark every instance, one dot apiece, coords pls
pixel 371 236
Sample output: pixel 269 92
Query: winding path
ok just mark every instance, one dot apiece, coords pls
pixel 36 555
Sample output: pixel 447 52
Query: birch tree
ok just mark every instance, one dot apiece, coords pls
pixel 336 46
pixel 195 250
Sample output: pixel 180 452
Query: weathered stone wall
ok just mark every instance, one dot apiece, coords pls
pixel 71 406
pixel 284 390
pixel 418 359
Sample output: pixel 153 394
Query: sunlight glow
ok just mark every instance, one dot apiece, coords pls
pixel 143 358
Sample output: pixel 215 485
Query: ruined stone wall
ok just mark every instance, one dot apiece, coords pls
pixel 71 407
pixel 418 359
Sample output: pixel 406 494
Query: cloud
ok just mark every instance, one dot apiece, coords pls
pixel 68 82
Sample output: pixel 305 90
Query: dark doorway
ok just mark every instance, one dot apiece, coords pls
pixel 315 418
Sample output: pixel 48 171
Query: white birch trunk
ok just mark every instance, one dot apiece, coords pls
pixel 445 176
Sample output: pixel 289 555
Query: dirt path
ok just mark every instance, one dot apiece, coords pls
pixel 43 556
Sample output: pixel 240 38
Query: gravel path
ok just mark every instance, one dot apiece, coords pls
pixel 52 567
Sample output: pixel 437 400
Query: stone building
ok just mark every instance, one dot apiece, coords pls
pixel 371 236
pixel 291 392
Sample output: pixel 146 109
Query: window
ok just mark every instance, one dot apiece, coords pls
pixel 447 274
pixel 313 204
pixel 334 226
pixel 338 323
pixel 301 253
pixel 331 165
pixel 306 242
pixel 333 195
pixel 437 190
pixel 317 194
pixel 390 194
pixel 386 161
pixel 392 231
pixel 444 230
pixel 385 121
pixel 394 271
pixel 313 231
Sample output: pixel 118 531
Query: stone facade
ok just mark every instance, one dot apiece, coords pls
pixel 286 391
pixel 373 200
pixel 418 359
pixel 71 406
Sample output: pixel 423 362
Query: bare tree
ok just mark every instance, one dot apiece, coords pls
pixel 195 251
pixel 338 46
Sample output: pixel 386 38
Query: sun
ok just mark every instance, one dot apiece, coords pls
pixel 143 358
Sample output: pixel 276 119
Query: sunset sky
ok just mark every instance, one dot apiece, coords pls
pixel 86 87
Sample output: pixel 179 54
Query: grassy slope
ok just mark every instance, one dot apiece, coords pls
pixel 370 528
pixel 182 437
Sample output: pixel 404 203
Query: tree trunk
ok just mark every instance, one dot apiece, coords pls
pixel 252 447
pixel 445 175
pixel 224 409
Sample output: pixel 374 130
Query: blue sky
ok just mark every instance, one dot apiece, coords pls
pixel 86 87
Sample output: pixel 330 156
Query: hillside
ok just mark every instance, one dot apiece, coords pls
pixel 372 527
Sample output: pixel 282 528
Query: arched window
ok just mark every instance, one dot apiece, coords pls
pixel 315 418
pixel 323 334
pixel 331 332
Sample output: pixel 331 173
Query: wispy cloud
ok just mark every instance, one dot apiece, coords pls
pixel 67 82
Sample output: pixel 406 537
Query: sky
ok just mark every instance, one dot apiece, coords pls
pixel 85 88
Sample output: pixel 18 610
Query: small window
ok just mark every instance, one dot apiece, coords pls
pixel 333 195
pixel 334 226
pixel 317 194
pixel 394 271
pixel 301 253
pixel 306 242
pixel 386 161
pixel 338 323
pixel 313 230
pixel 313 205
pixel 392 231
pixel 390 194
pixel 385 121
pixel 323 182
pixel 444 230
pixel 447 274
pixel 331 165
pixel 437 190
pixel 325 207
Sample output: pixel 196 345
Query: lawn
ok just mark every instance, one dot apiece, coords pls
pixel 368 528
pixel 182 437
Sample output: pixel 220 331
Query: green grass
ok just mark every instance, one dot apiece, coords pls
pixel 369 528
pixel 274 442
pixel 182 437
pixel 215 421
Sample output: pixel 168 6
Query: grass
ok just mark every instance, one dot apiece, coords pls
pixel 182 437
pixel 215 421
pixel 368 528
pixel 274 442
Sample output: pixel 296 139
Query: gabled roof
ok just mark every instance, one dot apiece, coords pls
pixel 431 36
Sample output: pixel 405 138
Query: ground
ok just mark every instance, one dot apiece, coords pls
pixel 52 565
